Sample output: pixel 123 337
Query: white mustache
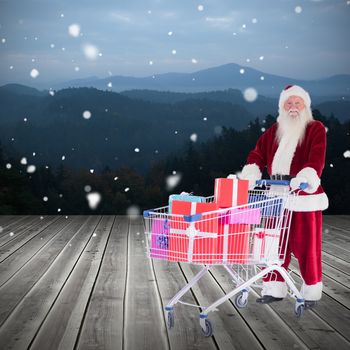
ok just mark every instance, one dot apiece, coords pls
pixel 293 111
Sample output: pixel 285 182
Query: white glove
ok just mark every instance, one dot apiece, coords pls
pixel 296 181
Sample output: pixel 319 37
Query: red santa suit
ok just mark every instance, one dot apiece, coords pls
pixel 304 160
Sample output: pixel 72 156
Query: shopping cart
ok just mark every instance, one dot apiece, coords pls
pixel 249 241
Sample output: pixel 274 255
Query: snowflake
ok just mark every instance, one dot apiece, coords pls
pixel 261 58
pixel 87 114
pixel 11 234
pixel 34 73
pixel 127 189
pixel 74 30
pixel 137 150
pixel 200 8
pixel 242 71
pixel 93 198
pixel 194 61
pixel 77 69
pixel 90 51
pixel 133 210
pixel 193 137
pixel 31 169
pixel 170 33
pixel 150 63
pixel 254 20
pixel 116 178
pixel 262 78
pixel 172 181
pixel 346 154
pixel 3 40
pixel 8 166
pixel 250 94
pixel 63 157
pixel 52 46
pixel 173 52
pixel 52 93
pixel 24 160
pixel 92 171
pixel 298 9
pixel 87 188
pixel 110 84
pixel 45 199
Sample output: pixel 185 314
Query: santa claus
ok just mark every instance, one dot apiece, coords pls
pixel 294 148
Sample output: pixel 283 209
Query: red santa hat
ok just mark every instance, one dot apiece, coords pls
pixel 294 90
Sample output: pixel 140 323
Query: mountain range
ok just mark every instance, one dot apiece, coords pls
pixel 228 76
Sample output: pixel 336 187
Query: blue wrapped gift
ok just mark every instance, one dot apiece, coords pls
pixel 269 206
pixel 184 197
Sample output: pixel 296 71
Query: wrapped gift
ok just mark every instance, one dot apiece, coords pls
pixel 194 241
pixel 160 239
pixel 230 192
pixel 269 206
pixel 184 197
pixel 244 215
pixel 233 242
pixel 266 244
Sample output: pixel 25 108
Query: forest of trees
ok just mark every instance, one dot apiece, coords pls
pixel 198 163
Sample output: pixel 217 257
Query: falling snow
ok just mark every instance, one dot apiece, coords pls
pixel 346 154
pixel 63 157
pixel 172 181
pixel 45 199
pixel 34 73
pixel 298 9
pixel 90 51
pixel 250 94
pixel 24 161
pixel 133 210
pixel 31 169
pixel 173 52
pixel 74 30
pixel 194 61
pixel 86 114
pixel 94 199
pixel 92 171
pixel 8 166
pixel 193 137
pixel 110 84
pixel 242 71
pixel 87 188
pixel 170 33
pixel 200 8
pixel 127 189
pixel 137 150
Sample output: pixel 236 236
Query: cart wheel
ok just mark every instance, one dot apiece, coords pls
pixel 208 331
pixel 241 300
pixel 170 319
pixel 299 310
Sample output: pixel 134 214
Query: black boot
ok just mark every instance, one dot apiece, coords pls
pixel 267 299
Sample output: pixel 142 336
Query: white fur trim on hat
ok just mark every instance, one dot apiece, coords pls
pixel 311 177
pixel 294 90
pixel 312 292
pixel 276 289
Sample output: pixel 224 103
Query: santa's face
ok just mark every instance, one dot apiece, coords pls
pixel 293 106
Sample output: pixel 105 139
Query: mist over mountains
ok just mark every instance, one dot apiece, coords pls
pixel 141 124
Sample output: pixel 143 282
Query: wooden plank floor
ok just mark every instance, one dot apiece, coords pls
pixel 84 282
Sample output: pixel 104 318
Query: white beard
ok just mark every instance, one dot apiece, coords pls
pixel 290 133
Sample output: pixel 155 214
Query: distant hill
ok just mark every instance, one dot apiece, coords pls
pixel 223 77
pixel 121 131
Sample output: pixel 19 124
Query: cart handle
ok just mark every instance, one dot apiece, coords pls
pixel 262 182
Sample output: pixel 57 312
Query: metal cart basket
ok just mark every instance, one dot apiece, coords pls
pixel 249 241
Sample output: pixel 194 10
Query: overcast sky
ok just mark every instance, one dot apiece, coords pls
pixel 304 39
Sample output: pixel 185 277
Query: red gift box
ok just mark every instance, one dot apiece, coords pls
pixel 202 246
pixel 230 192
pixel 233 242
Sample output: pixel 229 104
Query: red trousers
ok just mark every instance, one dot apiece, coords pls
pixel 305 242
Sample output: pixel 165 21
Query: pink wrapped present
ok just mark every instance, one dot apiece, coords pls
pixel 247 215
pixel 160 239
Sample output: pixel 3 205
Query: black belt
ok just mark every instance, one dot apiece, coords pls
pixel 281 177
